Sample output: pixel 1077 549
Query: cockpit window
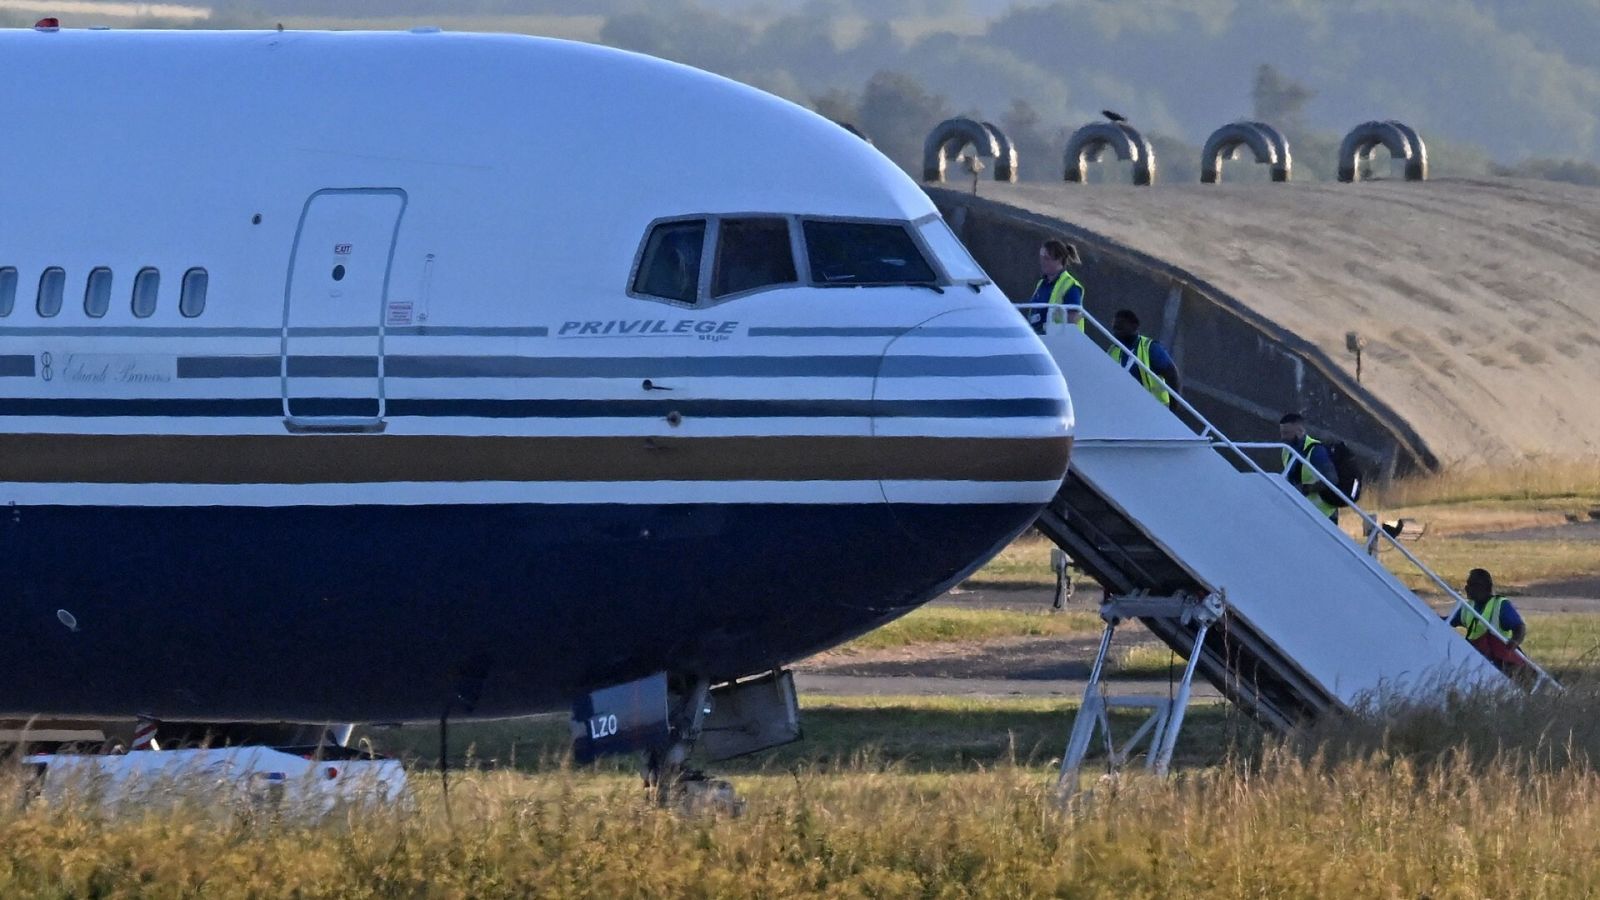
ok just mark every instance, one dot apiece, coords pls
pixel 8 289
pixel 670 266
pixel 751 254
pixel 949 250
pixel 844 253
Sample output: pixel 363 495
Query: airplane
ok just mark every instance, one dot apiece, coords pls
pixel 369 377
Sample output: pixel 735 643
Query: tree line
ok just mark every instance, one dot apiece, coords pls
pixel 1495 86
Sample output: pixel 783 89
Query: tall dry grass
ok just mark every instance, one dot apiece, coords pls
pixel 1505 728
pixel 1376 826
pixel 1471 801
pixel 1532 480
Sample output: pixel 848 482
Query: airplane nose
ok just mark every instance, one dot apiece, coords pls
pixel 977 414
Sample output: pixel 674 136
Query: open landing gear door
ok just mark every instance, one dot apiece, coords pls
pixel 623 719
pixel 750 716
pixel 730 720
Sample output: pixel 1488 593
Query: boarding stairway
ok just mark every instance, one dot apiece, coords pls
pixel 1190 535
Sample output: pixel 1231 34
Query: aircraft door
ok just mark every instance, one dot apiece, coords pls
pixel 334 299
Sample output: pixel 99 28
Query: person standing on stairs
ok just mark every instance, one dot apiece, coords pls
pixel 1501 639
pixel 1292 431
pixel 1056 287
pixel 1159 374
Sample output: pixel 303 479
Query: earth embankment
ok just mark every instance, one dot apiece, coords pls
pixel 1477 301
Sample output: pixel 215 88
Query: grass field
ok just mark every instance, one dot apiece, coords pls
pixel 1486 798
pixel 1565 642
pixel 1025 562
pixel 1535 481
pixel 1147 661
pixel 945 625
pixel 904 734
pixel 1517 565
pixel 1372 828
pixel 920 797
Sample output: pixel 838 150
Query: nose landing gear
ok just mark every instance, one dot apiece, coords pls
pixel 667 775
pixel 667 718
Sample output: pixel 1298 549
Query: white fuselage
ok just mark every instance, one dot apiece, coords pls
pixel 427 423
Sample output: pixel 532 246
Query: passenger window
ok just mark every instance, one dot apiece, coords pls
pixel 97 293
pixel 8 290
pixel 670 266
pixel 864 253
pixel 192 300
pixel 52 289
pixel 146 288
pixel 752 253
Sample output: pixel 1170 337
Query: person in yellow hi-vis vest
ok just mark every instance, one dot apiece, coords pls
pixel 1056 286
pixel 1292 431
pixel 1159 374
pixel 1501 639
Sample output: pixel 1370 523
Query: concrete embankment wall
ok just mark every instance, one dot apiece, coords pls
pixel 1476 301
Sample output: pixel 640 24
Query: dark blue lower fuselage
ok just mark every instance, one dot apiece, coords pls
pixel 374 613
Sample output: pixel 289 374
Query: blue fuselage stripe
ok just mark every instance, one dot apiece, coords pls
pixel 461 331
pixel 158 331
pixel 154 331
pixel 138 331
pixel 617 367
pixel 887 331
pixel 1027 407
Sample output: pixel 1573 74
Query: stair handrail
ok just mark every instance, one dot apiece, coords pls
pixel 1376 531
pixel 1221 441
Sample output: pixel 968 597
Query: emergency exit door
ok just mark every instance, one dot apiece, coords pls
pixel 334 300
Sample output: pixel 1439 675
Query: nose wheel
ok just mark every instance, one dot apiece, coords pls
pixel 668 778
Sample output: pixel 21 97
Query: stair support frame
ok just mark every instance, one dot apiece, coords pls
pixel 1164 720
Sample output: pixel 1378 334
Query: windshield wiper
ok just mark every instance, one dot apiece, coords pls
pixel 885 284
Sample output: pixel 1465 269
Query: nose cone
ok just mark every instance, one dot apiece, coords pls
pixel 978 401
pixel 979 420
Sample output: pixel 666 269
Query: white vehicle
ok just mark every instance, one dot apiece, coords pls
pixel 246 780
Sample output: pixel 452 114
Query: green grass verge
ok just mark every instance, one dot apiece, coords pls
pixel 1026 562
pixel 1147 661
pixel 941 733
pixel 1566 643
pixel 947 625
pixel 1516 564
pixel 907 734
